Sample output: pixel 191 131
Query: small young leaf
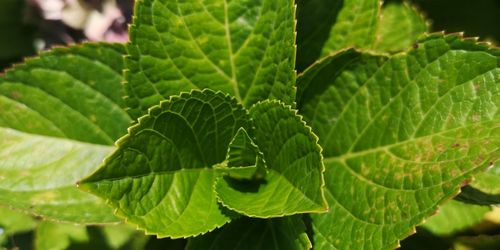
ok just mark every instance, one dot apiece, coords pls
pixel 400 27
pixel 59 112
pixel 244 48
pixel 244 159
pixel 400 135
pixel 161 177
pixel 294 182
pixel 286 233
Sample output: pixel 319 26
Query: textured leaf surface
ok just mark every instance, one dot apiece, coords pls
pixel 161 177
pixel 294 181
pixel 59 113
pixel 454 217
pixel 400 27
pixel 286 233
pixel 325 26
pixel 241 47
pixel 399 135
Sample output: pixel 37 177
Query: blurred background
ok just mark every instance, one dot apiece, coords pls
pixel 30 25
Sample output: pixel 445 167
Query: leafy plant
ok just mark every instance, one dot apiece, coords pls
pixel 228 147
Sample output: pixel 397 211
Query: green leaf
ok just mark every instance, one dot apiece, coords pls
pixel 328 26
pixel 325 26
pixel 244 159
pixel 56 236
pixel 242 47
pixel 454 217
pixel 294 182
pixel 489 181
pixel 12 222
pixel 400 135
pixel 117 236
pixel 485 189
pixel 161 177
pixel 60 112
pixel 287 233
pixel 400 27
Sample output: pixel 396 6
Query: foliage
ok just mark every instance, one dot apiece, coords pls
pixel 217 140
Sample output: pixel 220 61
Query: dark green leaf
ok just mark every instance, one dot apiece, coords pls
pixel 286 233
pixel 294 182
pixel 161 178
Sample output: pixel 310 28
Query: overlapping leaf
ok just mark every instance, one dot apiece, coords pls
pixel 161 177
pixel 286 233
pixel 244 48
pixel 327 26
pixel 400 135
pixel 59 114
pixel 485 189
pixel 294 180
pixel 454 217
pixel 400 27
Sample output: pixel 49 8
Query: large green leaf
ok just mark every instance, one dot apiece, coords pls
pixel 454 217
pixel 242 47
pixel 59 114
pixel 400 135
pixel 400 27
pixel 294 180
pixel 286 233
pixel 325 26
pixel 161 177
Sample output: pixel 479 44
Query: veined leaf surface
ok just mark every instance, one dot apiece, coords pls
pixel 242 47
pixel 60 112
pixel 294 180
pixel 286 233
pixel 400 135
pixel 161 177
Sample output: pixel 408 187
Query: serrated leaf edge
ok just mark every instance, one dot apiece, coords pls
pixel 326 207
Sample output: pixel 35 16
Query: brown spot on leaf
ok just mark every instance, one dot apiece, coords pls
pixel 16 95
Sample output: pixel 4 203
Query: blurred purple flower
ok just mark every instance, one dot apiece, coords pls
pixel 69 21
